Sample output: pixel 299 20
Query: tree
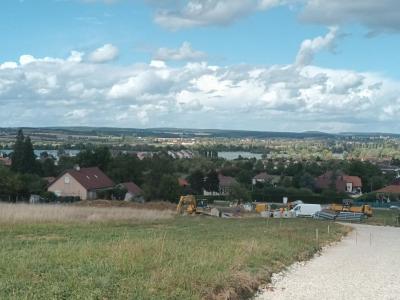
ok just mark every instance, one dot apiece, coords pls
pixel 18 153
pixel 29 158
pixel 169 188
pixel 259 166
pixel 124 168
pixel 239 193
pixel 196 180
pixel 48 168
pixel 65 163
pixel 245 177
pixel 304 180
pixel 23 157
pixel 212 182
pixel 98 157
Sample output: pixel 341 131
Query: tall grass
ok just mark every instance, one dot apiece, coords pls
pixel 24 213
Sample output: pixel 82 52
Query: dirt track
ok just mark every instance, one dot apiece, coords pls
pixel 365 265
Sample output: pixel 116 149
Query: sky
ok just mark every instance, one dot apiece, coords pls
pixel 273 65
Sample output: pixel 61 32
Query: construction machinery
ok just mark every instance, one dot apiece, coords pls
pixel 260 207
pixel 189 205
pixel 348 207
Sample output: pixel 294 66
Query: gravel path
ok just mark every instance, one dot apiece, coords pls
pixel 365 265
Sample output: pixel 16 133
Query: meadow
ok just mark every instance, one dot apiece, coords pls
pixel 384 217
pixel 149 255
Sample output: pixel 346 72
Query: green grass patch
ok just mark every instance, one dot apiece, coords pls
pixel 182 258
pixel 384 218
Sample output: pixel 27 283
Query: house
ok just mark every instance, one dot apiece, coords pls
pixel 81 182
pixel 390 189
pixel 264 177
pixel 134 192
pixel 225 186
pixel 340 182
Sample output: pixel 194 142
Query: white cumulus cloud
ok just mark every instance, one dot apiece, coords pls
pixel 299 96
pixel 184 53
pixel 104 54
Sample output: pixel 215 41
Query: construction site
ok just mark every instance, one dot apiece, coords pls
pixel 189 205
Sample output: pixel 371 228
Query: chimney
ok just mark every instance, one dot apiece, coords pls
pixel 77 168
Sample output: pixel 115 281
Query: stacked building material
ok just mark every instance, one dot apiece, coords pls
pixel 340 216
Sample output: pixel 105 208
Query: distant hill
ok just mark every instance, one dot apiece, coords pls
pixel 187 132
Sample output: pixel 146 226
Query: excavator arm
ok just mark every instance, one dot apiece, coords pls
pixel 189 202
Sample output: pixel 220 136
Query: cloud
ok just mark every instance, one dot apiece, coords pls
pixel 299 96
pixel 309 48
pixel 184 53
pixel 378 16
pixel 382 15
pixel 104 54
pixel 209 12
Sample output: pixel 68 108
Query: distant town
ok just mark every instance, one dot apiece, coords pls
pixel 219 164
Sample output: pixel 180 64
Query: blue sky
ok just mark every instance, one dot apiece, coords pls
pixel 241 64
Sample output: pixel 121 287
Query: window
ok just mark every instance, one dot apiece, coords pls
pixel 67 180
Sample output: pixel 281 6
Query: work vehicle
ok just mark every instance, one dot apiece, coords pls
pixel 365 209
pixel 306 210
pixel 189 205
pixel 260 207
pixel 291 205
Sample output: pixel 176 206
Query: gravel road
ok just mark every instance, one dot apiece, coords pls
pixel 365 265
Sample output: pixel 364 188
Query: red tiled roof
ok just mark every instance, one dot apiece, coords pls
pixel 183 182
pixel 325 180
pixel 90 178
pixel 132 188
pixel 391 189
pixel 355 180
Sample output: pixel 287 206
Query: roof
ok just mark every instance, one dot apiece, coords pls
pixel 89 178
pixel 183 182
pixel 340 180
pixel 226 180
pixel 132 188
pixel 390 189
pixel 355 180
pixel 262 176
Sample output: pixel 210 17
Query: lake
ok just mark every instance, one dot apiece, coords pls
pixel 231 155
pixel 68 152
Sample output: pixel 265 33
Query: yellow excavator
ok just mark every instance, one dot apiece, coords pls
pixel 365 209
pixel 189 205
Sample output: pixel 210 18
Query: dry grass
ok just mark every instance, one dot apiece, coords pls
pixel 154 205
pixel 25 213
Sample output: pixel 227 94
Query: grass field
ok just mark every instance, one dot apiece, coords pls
pixel 170 258
pixel 384 217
